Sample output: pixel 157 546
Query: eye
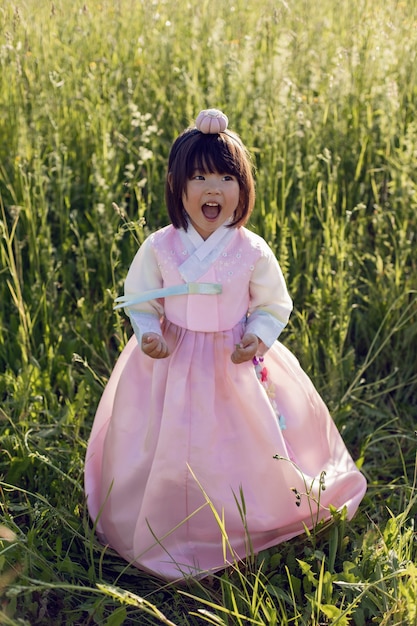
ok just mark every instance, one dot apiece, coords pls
pixel 197 176
pixel 227 177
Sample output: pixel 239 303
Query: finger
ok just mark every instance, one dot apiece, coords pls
pixel 162 350
pixel 234 357
pixel 249 341
pixel 238 356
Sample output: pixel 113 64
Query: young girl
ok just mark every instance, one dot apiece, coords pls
pixel 205 413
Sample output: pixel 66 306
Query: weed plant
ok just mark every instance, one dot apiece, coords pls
pixel 91 96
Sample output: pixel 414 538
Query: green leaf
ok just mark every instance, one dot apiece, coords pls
pixel 117 618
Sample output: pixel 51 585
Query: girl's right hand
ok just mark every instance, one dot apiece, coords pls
pixel 155 346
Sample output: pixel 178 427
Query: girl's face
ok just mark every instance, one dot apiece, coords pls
pixel 210 199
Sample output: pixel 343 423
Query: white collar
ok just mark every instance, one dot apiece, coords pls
pixel 202 252
pixel 203 247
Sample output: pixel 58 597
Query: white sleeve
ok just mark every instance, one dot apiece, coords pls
pixel 270 303
pixel 144 275
pixel 143 323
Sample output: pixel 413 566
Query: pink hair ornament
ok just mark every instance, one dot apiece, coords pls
pixel 211 121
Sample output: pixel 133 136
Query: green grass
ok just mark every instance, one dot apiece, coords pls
pixel 91 96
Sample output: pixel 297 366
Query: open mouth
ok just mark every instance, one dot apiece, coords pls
pixel 211 210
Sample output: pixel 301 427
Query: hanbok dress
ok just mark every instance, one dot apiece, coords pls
pixel 195 462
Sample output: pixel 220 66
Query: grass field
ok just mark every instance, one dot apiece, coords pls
pixel 324 94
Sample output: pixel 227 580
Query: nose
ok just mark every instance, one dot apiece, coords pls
pixel 213 186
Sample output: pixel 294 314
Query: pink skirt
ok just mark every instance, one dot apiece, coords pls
pixel 194 462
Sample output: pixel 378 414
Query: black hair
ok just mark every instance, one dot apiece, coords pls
pixel 213 152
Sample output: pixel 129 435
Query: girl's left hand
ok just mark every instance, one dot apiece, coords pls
pixel 246 349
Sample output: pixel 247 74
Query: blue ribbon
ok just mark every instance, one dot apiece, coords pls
pixel 207 289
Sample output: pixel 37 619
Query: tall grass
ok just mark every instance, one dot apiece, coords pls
pixel 91 96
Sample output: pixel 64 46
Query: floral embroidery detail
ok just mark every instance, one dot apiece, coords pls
pixel 262 374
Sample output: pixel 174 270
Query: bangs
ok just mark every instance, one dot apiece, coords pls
pixel 223 153
pixel 212 153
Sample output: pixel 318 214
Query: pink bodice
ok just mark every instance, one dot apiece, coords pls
pixel 232 269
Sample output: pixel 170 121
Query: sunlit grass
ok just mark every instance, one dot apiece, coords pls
pixel 91 96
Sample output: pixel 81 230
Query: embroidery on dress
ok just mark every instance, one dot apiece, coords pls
pixel 262 374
